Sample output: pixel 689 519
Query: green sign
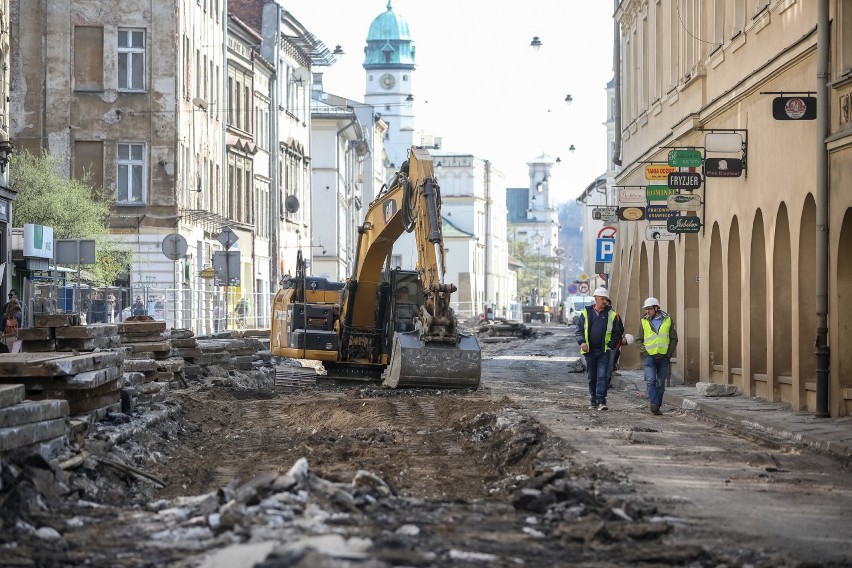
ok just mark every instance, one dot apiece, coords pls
pixel 683 224
pixel 685 158
pixel 658 192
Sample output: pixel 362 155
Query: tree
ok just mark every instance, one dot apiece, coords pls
pixel 74 208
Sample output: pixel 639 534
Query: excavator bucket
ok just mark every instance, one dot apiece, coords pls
pixel 416 364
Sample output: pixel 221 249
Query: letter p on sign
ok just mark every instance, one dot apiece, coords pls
pixel 604 250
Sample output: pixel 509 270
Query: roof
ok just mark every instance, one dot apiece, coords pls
pixel 389 43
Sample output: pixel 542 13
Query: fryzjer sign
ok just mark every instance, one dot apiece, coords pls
pixel 684 180
pixel 631 196
pixel 686 224
pixel 684 158
pixel 658 233
pixel 658 192
pixel 684 202
pixel 723 167
pixel 657 172
pixel 794 108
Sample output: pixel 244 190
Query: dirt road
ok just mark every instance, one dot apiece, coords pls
pixel 517 473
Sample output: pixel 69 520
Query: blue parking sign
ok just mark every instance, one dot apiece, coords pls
pixel 604 250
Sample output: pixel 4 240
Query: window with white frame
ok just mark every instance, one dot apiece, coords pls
pixel 131 174
pixel 131 60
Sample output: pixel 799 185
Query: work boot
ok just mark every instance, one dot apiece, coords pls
pixel 603 406
pixel 655 409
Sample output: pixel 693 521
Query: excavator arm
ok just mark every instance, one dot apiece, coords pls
pixel 436 353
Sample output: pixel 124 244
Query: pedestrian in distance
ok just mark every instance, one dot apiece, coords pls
pixel 598 333
pixel 657 341
pixel 13 295
pixel 138 307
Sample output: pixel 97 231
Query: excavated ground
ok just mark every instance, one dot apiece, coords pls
pixel 513 474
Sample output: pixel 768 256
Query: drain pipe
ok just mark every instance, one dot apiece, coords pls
pixel 823 354
pixel 616 68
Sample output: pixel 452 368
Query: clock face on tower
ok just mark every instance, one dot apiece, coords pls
pixel 387 81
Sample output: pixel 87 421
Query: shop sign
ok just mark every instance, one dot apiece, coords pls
pixel 794 108
pixel 631 213
pixel 658 172
pixel 723 167
pixel 658 233
pixel 686 224
pixel 684 180
pixel 658 192
pixel 687 202
pixel 658 212
pixel 631 195
pixel 685 158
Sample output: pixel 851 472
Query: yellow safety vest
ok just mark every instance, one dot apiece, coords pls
pixel 656 343
pixel 609 322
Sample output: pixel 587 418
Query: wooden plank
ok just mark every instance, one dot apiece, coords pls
pixel 57 320
pixel 141 326
pixel 57 364
pixel 11 394
pixel 156 347
pixel 26 434
pixel 87 331
pixel 31 411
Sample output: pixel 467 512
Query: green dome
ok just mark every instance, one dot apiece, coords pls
pixel 389 44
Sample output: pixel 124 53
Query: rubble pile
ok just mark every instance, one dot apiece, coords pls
pixel 90 382
pixel 185 349
pixel 30 426
pixel 149 368
pixel 235 361
pixel 63 332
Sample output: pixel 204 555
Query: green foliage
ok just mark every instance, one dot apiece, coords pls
pixel 74 209
pixel 534 273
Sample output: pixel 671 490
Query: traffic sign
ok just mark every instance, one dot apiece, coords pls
pixel 686 202
pixel 584 276
pixel 658 171
pixel 606 232
pixel 583 288
pixel 684 158
pixel 686 224
pixel 604 250
pixel 631 196
pixel 658 233
pixel 723 167
pixel 658 192
pixel 606 214
pixel 572 289
pixel 684 180
pixel 631 213
pixel 227 237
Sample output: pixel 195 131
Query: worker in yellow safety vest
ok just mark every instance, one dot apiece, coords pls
pixel 657 341
pixel 598 333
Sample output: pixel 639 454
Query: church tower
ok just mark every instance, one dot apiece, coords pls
pixel 389 63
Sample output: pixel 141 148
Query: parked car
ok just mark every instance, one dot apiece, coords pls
pixel 575 306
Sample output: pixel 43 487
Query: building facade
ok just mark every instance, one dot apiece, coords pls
pixel 743 287
pixel 7 197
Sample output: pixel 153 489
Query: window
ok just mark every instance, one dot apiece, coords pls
pixel 131 174
pixel 88 58
pixel 131 60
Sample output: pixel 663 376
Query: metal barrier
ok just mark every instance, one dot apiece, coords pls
pixel 203 311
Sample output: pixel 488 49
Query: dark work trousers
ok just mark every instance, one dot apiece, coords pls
pixel 597 367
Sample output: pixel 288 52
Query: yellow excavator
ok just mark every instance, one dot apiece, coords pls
pixel 385 323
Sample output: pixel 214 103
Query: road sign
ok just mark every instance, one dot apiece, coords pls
pixel 583 288
pixel 686 224
pixel 684 158
pixel 604 250
pixel 658 171
pixel 658 233
pixel 723 167
pixel 227 237
pixel 572 289
pixel 723 142
pixel 684 180
pixel 686 202
pixel 631 213
pixel 606 214
pixel 226 264
pixel 631 196
pixel 174 246
pixel 605 232
pixel 601 267
pixel 658 213
pixel 658 192
pixel 794 108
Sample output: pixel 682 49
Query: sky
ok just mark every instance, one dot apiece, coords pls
pixel 481 87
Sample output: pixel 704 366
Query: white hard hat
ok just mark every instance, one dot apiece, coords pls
pixel 601 291
pixel 650 303
pixel 628 338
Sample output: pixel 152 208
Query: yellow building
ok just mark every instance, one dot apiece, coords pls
pixel 745 289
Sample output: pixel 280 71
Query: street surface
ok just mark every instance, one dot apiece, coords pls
pixel 517 473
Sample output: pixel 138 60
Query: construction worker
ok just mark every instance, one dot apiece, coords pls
pixel 599 331
pixel 657 341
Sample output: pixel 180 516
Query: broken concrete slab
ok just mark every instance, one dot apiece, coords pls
pixel 53 364
pixel 11 394
pixel 30 411
pixel 715 389
pixel 27 434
